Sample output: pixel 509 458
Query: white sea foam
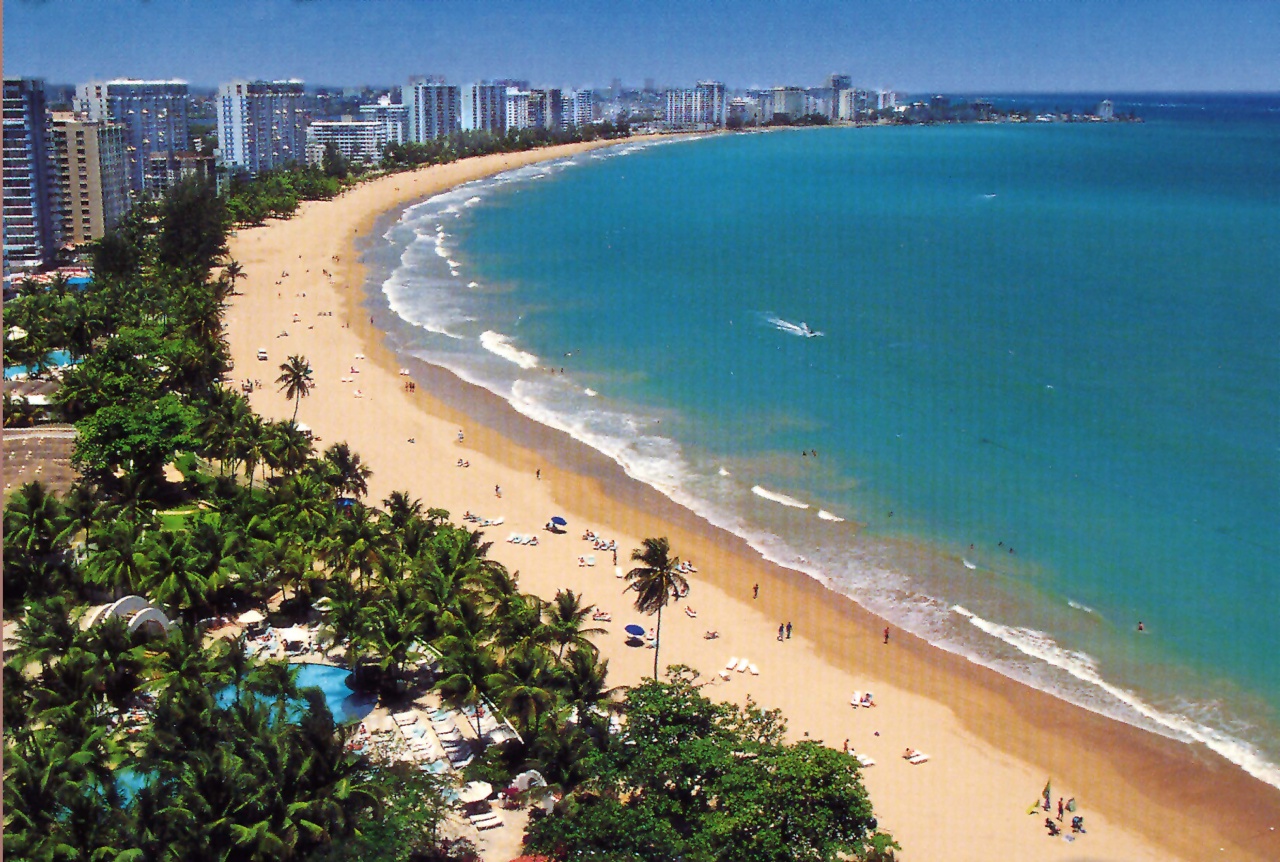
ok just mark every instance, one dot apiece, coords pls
pixel 967 564
pixel 472 201
pixel 1074 604
pixel 590 393
pixel 827 516
pixel 1084 667
pixel 722 472
pixel 473 284
pixel 441 250
pixel 453 264
pixel 778 498
pixel 497 343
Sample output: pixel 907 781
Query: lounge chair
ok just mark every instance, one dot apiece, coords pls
pixel 725 675
pixel 919 758
pixel 591 561
pixel 753 670
pixel 617 572
pixel 489 820
pixel 404 718
pixel 743 664
pixel 732 663
pixel 497 522
pixel 856 700
pixel 863 759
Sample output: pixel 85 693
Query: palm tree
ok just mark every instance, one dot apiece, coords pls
pixel 295 380
pixel 583 684
pixel 526 687
pixel 347 473
pixel 117 563
pixel 233 272
pixel 290 447
pixel 566 620
pixel 655 582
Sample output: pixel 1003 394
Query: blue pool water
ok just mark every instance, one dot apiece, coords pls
pixel 1056 339
pixel 56 358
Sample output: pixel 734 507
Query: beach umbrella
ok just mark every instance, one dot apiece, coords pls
pixel 475 792
pixel 249 618
pixel 16 333
pixel 634 629
pixel 558 521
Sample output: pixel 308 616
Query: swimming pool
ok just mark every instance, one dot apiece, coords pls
pixel 56 358
pixel 345 704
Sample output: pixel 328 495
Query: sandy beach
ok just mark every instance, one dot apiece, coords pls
pixel 991 742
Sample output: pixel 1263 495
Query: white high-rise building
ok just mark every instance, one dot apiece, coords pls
pixel 261 125
pixel 700 107
pixel 484 108
pixel 435 110
pixel 518 109
pixel 583 107
pixel 356 140
pixel 393 117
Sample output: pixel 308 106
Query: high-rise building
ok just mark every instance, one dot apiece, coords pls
pixel 154 116
pixel 584 107
pixel 837 81
pixel 700 107
pixel 393 117
pixel 788 103
pixel 90 185
pixel 261 125
pixel 484 108
pixel 518 109
pixel 30 225
pixel 356 140
pixel 546 108
pixel 434 109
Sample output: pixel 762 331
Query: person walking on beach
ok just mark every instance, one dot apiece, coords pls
pixel 755 591
pixel 538 474
pixel 1060 808
pixel 886 634
pixel 788 631
pixel 497 490
pixel 780 630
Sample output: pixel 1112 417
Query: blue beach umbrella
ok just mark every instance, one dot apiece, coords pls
pixel 634 629
pixel 558 521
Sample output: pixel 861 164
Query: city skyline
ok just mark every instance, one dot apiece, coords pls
pixel 926 45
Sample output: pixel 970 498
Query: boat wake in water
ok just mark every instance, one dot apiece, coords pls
pixel 802 329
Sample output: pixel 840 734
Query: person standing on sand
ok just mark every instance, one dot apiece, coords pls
pixel 788 631
pixel 1060 807
pixel 538 474
pixel 497 490
pixel 886 634
pixel 780 630
pixel 755 591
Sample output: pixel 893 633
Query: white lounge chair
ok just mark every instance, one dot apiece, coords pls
pixel 919 758
pixel 591 561
pixel 732 663
pixel 725 675
pixel 743 664
pixel 486 821
pixel 856 700
pixel 864 759
pixel 617 572
pixel 753 670
pixel 404 718
pixel 497 522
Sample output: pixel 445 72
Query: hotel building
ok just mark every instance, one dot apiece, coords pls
pixel 154 116
pixel 356 140
pixel 261 125
pixel 434 110
pixel 484 108
pixel 393 118
pixel 30 226
pixel 90 177
pixel 518 109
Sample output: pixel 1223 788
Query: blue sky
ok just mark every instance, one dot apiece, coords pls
pixel 910 45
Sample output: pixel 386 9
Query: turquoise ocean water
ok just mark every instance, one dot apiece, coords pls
pixel 1060 339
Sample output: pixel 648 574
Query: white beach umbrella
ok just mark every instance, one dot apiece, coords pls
pixel 249 618
pixel 475 792
pixel 15 333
